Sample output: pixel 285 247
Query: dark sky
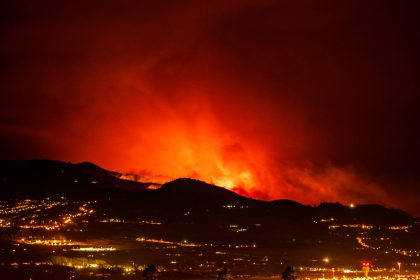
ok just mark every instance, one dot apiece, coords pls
pixel 307 100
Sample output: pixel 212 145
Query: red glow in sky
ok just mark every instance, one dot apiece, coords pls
pixel 273 99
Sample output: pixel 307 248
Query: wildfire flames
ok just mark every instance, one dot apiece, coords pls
pixel 269 99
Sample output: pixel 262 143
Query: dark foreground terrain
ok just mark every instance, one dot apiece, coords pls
pixel 80 221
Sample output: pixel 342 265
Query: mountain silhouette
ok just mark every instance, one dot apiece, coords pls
pixel 198 192
pixel 189 209
pixel 56 178
pixel 40 177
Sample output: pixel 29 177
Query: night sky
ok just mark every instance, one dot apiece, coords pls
pixel 305 100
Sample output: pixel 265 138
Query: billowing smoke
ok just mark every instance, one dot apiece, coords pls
pixel 270 99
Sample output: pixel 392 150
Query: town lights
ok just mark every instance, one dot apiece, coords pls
pixel 366 265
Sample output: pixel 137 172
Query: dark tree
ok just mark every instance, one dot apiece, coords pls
pixel 288 274
pixel 150 272
pixel 223 274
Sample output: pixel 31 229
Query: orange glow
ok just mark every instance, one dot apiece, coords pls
pixel 168 133
pixel 235 93
pixel 217 131
pixel 195 146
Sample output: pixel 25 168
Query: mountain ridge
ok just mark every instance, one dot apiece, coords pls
pixel 189 210
pixel 46 176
